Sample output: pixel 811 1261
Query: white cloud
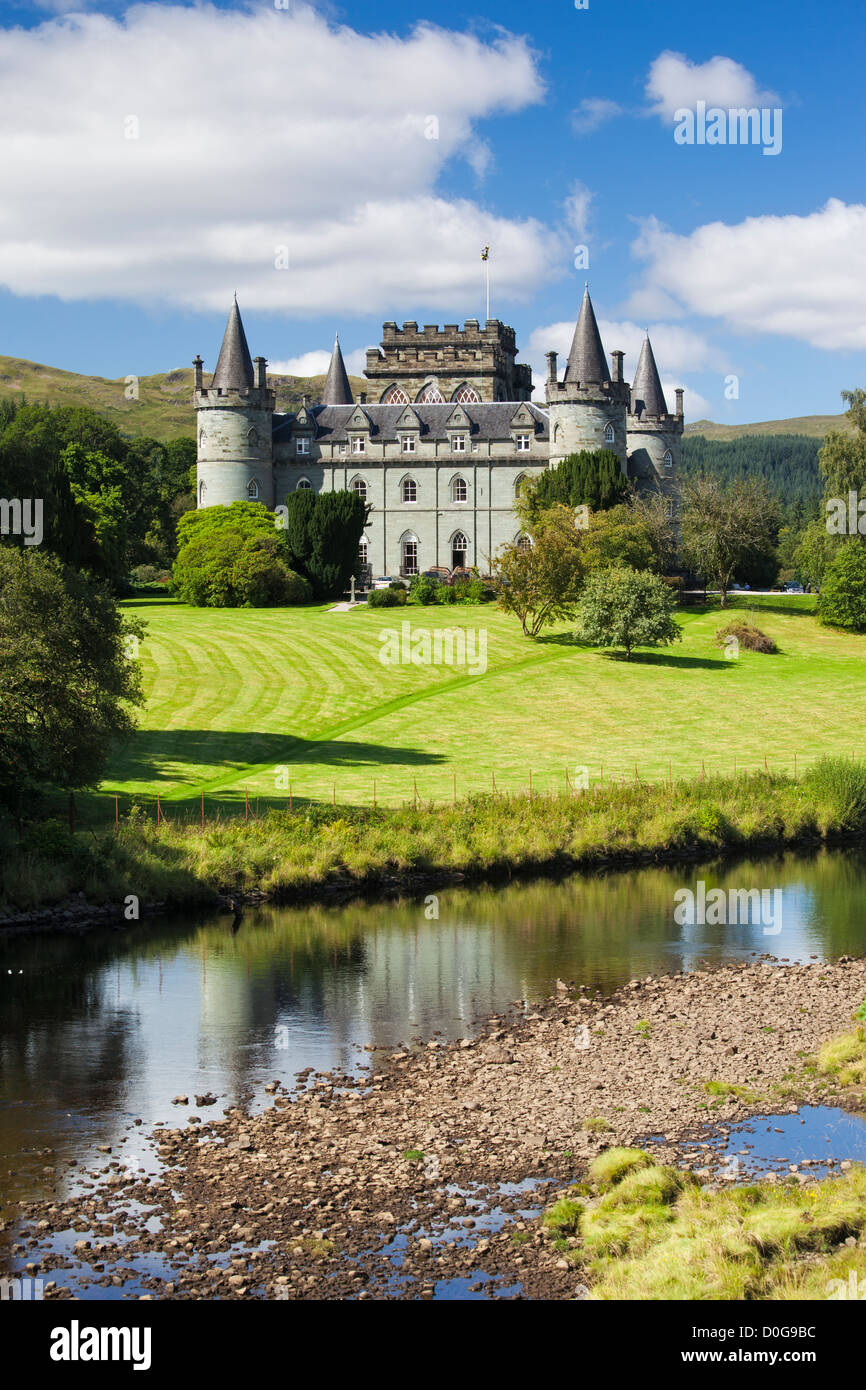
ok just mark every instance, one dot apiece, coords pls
pixel 676 348
pixel 798 277
pixel 674 82
pixel 578 208
pixel 593 112
pixel 256 130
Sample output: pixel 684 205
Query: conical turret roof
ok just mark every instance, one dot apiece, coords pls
pixel 234 368
pixel 336 389
pixel 647 396
pixel 586 360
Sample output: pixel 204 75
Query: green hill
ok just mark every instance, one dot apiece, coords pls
pixel 163 409
pixel 815 426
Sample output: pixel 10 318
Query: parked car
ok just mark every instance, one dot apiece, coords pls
pixel 384 581
pixel 439 572
pixel 460 572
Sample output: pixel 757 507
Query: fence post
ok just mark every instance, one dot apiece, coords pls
pixel 202 808
pixel 454 787
pixel 530 784
pixel 158 811
pixel 116 813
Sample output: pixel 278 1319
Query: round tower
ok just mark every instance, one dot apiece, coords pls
pixel 588 407
pixel 654 435
pixel 234 424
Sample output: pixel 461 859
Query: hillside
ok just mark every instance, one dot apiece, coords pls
pixel 164 406
pixel 815 426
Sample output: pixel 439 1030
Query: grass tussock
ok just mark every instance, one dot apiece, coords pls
pixel 654 1234
pixel 291 855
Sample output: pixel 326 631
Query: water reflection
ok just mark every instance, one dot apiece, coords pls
pixel 110 1025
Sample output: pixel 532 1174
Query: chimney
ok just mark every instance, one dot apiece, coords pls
pixel 616 357
pixel 362 397
pixel 551 366
pixel 679 395
pixel 261 374
pixel 198 364
pixel 305 400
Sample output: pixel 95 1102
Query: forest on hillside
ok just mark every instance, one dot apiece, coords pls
pixel 788 463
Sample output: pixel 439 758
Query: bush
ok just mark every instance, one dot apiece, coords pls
pixel 842 601
pixel 446 593
pixel 841 786
pixel 423 588
pixel 752 638
pixel 231 557
pixel 387 598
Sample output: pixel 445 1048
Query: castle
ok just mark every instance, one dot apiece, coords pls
pixel 440 442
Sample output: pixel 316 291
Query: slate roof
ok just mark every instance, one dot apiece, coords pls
pixel 336 390
pixel 647 396
pixel 586 360
pixel 488 420
pixel 234 368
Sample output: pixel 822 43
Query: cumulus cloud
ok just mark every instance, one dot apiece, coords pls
pixel 674 82
pixel 316 363
pixel 799 277
pixel 179 153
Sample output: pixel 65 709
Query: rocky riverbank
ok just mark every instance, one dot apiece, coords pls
pixel 427 1171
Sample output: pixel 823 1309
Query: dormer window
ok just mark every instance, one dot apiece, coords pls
pixel 302 446
pixel 523 444
pixel 407 444
pixel 458 444
pixel 359 445
pixel 609 435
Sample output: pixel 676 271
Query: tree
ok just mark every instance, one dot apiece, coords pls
pixel 622 608
pixel 617 538
pixel 539 578
pixel 67 681
pixel 842 601
pixel 653 511
pixel 324 533
pixel 231 557
pixel 724 531
pixel 842 459
pixel 591 478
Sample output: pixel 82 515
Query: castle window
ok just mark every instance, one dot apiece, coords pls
pixel 359 486
pixel 458 444
pixel 302 446
pixel 467 395
pixel 409 490
pixel 303 485
pixel 407 444
pixel 409 550
pixel 609 433
pixel 669 459
pixel 523 444
pixel 431 394
pixel 459 490
pixel 395 395
pixel 252 438
pixel 359 445
pixel 459 550
pixel 362 553
pixel 252 490
pixel 202 493
pixel 523 542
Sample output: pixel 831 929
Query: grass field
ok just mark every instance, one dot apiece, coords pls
pixel 296 701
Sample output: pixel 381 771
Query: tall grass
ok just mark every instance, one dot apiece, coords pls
pixel 292 855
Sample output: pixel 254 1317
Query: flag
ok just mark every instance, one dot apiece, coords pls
pixel 485 253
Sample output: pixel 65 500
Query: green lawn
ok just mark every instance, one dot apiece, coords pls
pixel 235 695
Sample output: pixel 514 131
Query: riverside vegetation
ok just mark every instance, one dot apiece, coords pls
pixel 311 850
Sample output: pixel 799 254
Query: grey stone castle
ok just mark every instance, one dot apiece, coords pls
pixel 440 442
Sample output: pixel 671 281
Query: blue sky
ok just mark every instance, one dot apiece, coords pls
pixel 342 165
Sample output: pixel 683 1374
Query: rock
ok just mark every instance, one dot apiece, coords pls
pixel 180 1100
pixel 207 1099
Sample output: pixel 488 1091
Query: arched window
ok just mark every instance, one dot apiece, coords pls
pixel 202 493
pixel 359 486
pixel 459 490
pixel 669 459
pixel 363 550
pixel 523 542
pixel 519 484
pixel 431 394
pixel 200 440
pixel 409 553
pixel 609 435
pixel 395 395
pixel 252 437
pixel 467 395
pixel 409 490
pixel 303 484
pixel 253 490
pixel 459 550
